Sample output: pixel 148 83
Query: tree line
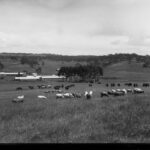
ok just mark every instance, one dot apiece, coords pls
pixel 1 66
pixel 83 72
pixel 33 62
pixel 105 60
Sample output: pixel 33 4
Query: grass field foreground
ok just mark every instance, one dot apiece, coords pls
pixel 124 119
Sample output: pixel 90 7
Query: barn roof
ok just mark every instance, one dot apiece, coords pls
pixel 38 77
pixel 10 73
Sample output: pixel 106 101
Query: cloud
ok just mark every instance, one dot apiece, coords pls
pixel 54 5
pixel 74 24
pixel 139 41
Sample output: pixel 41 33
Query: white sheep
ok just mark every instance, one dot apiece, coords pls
pixel 42 97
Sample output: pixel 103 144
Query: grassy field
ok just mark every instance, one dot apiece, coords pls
pixel 99 120
pixel 125 71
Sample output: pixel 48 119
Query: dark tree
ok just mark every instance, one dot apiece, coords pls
pixel 86 72
pixel 43 63
pixel 1 66
pixel 31 61
pixel 146 64
pixel 39 70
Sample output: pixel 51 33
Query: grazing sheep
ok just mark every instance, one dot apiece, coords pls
pixel 31 87
pixel 91 93
pixel 88 95
pixel 119 93
pixel 19 88
pixel 90 85
pixel 128 84
pixel 92 81
pixel 18 99
pixel 67 87
pixel 124 90
pixel 49 86
pixel 86 92
pixel 68 95
pixel 77 95
pixel 57 87
pixel 118 90
pixel 39 86
pixel 104 94
pixel 137 91
pixel 118 84
pixel 135 85
pixel 58 95
pixel 110 92
pixel 59 91
pixel 71 85
pixel 43 86
pixel 112 84
pixel 42 97
pixel 47 91
pixel 129 91
pixel 113 90
pixel 146 84
pixel 107 85
pixel 21 97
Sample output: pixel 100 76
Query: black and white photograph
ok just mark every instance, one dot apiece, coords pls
pixel 74 71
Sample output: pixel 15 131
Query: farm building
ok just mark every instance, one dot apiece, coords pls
pixel 52 77
pixel 28 78
pixel 11 73
pixel 41 77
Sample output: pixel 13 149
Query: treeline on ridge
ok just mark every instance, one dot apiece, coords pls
pixel 105 60
pixel 81 72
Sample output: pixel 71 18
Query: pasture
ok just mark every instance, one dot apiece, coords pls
pixel 122 119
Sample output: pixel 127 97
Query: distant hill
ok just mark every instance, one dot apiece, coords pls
pixel 127 66
pixel 129 71
pixel 49 66
pixel 106 59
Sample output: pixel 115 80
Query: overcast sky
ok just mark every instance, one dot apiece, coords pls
pixel 75 27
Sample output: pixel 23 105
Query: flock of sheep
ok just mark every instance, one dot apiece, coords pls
pixel 121 92
pixel 56 89
pixel 87 95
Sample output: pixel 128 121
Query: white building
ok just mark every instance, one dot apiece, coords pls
pixel 52 77
pixel 28 78
pixel 11 73
pixel 41 77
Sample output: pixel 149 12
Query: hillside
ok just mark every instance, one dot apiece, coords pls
pixel 122 66
pixel 49 66
pixel 128 71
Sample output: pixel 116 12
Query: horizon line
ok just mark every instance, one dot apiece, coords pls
pixel 71 55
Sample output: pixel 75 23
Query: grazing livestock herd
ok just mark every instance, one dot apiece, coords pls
pixel 61 94
pixel 126 84
pixel 56 89
pixel 121 92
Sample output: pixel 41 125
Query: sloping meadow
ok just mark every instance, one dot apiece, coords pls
pixel 108 120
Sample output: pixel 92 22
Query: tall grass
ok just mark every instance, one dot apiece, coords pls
pixel 129 122
pixel 122 119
